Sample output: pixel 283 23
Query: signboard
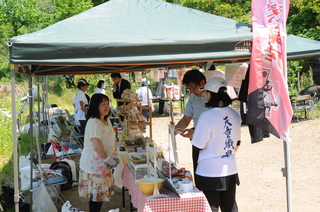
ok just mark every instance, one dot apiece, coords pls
pixel 138 76
pixel 234 74
pixel 157 74
pixel 180 75
pixel 125 76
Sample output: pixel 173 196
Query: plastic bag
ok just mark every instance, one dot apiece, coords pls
pixel 43 202
pixel 66 207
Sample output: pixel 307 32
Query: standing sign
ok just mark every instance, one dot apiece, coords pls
pixel 269 105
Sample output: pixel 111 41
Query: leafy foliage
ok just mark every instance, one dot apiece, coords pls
pixel 304 19
pixel 66 8
pixel 237 10
pixel 97 2
pixel 18 17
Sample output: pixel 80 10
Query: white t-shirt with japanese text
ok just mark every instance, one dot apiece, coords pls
pixel 217 133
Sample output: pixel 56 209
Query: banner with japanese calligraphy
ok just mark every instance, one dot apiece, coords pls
pixel 269 105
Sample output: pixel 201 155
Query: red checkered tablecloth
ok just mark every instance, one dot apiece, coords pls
pixel 188 202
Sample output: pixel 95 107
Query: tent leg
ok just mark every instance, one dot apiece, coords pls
pixel 31 137
pixel 15 144
pixel 173 137
pixel 287 174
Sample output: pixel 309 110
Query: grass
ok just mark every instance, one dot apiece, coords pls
pixel 6 146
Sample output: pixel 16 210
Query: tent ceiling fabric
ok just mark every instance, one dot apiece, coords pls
pixel 132 35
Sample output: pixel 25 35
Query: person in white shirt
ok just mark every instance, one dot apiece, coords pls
pixel 145 95
pixel 80 103
pixel 100 87
pixel 161 92
pixel 199 67
pixel 218 139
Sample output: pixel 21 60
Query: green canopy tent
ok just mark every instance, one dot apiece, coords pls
pixel 128 35
pixel 132 35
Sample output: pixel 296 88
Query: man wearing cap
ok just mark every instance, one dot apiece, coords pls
pixel 119 86
pixel 193 80
pixel 145 96
pixel 80 103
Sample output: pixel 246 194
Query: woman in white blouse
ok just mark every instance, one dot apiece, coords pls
pixel 100 87
pixel 80 103
pixel 98 157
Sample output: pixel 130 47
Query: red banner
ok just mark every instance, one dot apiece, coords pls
pixel 269 104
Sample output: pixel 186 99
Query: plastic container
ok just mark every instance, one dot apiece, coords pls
pixel 146 185
pixel 70 144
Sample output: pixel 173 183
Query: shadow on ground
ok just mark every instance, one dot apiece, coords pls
pixel 79 202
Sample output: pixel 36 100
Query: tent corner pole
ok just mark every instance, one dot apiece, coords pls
pixel 31 137
pixel 15 144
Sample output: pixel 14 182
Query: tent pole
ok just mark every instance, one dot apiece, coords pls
pixel 31 136
pixel 173 137
pixel 15 144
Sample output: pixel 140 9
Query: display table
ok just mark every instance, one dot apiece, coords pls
pixel 190 201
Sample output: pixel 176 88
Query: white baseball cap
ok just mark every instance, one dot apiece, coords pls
pixel 144 81
pixel 214 84
pixel 83 82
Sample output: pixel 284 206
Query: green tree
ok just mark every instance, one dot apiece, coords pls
pixel 17 17
pixel 97 2
pixel 236 10
pixel 66 8
pixel 20 17
pixel 304 19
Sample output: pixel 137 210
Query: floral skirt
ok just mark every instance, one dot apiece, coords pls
pixel 96 187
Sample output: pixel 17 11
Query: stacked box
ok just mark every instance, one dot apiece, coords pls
pixel 138 170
